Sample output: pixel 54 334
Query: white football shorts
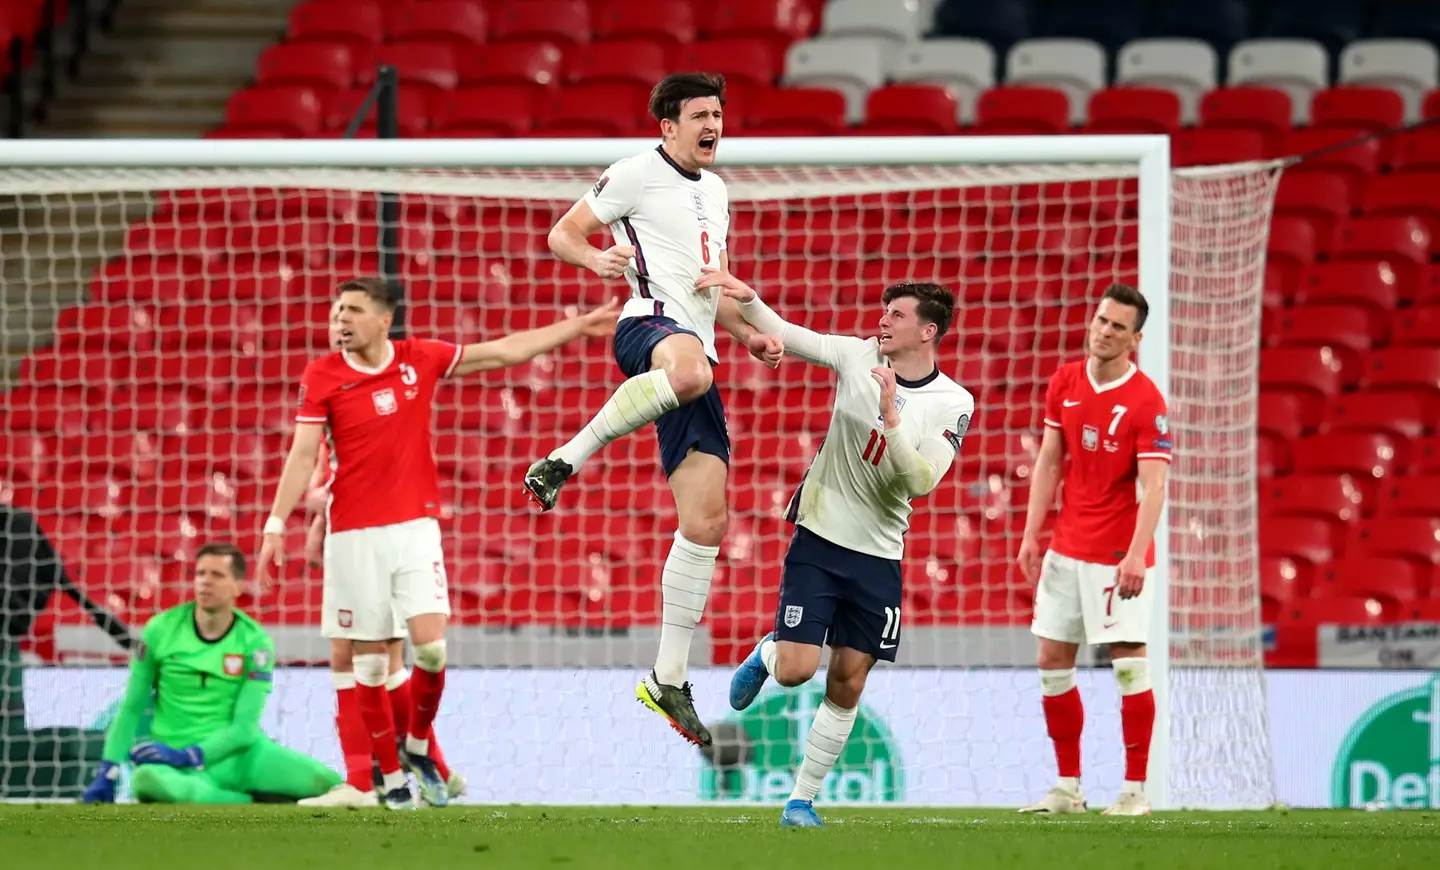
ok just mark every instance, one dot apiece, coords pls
pixel 377 578
pixel 1077 602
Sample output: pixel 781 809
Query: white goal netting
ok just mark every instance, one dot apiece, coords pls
pixel 186 302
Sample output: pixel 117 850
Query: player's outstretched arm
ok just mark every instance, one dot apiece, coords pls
pixel 515 349
pixel 294 480
pixel 121 733
pixel 1044 478
pixel 811 346
pixel 769 349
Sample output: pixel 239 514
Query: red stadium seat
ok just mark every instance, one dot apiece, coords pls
pixel 1345 330
pixel 1414 371
pixel 1323 199
pixel 911 110
pixel 563 22
pixel 1352 106
pixel 1265 111
pixel 1410 193
pixel 1414 538
pixel 1356 163
pixel 1418 151
pixel 1402 242
pixel 316 65
pixel 638 63
pixel 1022 110
pixel 1134 110
pixel 1328 496
pixel 1409 496
pixel 1290 248
pixel 743 61
pixel 431 64
pixel 294 109
pixel 1279 414
pixel 513 63
pixel 1425 455
pixel 1431 107
pixel 413 105
pixel 1401 415
pixel 1281 582
pixel 1389 580
pixel 1365 455
pixel 1416 327
pixel 822 112
pixel 1314 373
pixel 487 110
pixel 779 22
pixel 1346 610
pixel 356 24
pixel 1208 147
pixel 1304 539
pixel 459 24
pixel 122 328
pixel 664 22
pixel 1365 284
pixel 602 110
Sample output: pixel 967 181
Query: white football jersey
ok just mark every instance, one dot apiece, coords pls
pixel 852 495
pixel 677 222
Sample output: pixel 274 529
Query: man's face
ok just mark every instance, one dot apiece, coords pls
pixel 901 329
pixel 216 586
pixel 334 340
pixel 361 323
pixel 697 132
pixel 1112 331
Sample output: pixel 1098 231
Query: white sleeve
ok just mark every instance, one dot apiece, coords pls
pixel 617 192
pixel 921 463
pixel 829 351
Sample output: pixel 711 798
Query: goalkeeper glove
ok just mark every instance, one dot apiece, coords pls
pixel 159 753
pixel 102 790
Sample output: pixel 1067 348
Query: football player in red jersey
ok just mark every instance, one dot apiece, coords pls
pixel 1106 422
pixel 383 556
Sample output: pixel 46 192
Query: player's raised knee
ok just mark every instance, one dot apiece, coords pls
pixel 792 671
pixel 147 783
pixel 690 378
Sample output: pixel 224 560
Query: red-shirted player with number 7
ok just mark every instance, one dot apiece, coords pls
pixel 383 557
pixel 1109 420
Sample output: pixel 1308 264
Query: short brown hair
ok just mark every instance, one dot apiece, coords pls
pixel 237 558
pixel 672 91
pixel 1127 295
pixel 934 303
pixel 378 290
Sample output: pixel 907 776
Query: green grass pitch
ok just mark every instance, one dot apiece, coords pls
pixel 40 837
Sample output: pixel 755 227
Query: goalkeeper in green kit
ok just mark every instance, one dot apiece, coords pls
pixel 207 669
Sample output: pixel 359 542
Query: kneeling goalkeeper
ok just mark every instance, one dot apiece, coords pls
pixel 207 668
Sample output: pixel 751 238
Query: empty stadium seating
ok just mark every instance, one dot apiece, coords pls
pixel 1350 367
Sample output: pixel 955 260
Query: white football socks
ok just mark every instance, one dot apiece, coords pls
pixel 684 586
pixel 640 400
pixel 828 734
pixel 767 654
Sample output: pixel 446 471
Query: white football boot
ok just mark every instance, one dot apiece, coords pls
pixel 342 795
pixel 1060 800
pixel 1129 803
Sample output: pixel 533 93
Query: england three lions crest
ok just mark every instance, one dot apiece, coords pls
pixel 793 612
pixel 899 403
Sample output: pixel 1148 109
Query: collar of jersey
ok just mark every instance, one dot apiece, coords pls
pixel 915 385
pixel 195 627
pixel 389 358
pixel 693 176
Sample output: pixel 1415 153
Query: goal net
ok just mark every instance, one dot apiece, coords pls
pixel 188 292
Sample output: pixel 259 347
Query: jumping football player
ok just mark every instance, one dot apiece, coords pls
pixel 669 216
pixel 206 667
pixel 383 555
pixel 1109 421
pixel 895 430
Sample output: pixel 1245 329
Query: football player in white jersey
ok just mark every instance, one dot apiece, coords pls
pixel 669 216
pixel 894 433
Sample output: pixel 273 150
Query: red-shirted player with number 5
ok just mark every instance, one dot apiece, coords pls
pixel 1109 421
pixel 383 557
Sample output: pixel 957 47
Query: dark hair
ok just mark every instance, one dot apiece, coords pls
pixel 1127 295
pixel 237 558
pixel 378 290
pixel 934 303
pixel 672 91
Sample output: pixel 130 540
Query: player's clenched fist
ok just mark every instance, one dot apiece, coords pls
pixel 611 263
pixel 769 349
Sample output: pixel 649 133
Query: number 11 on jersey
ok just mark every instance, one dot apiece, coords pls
pixel 876 446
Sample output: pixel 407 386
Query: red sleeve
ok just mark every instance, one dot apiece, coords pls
pixel 1054 395
pixel 313 394
pixel 442 356
pixel 1153 438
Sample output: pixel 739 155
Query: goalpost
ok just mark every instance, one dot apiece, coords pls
pixel 159 416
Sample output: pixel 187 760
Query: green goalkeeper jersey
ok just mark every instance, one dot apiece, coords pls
pixel 205 693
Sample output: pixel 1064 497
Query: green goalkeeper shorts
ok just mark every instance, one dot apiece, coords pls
pixel 266 769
